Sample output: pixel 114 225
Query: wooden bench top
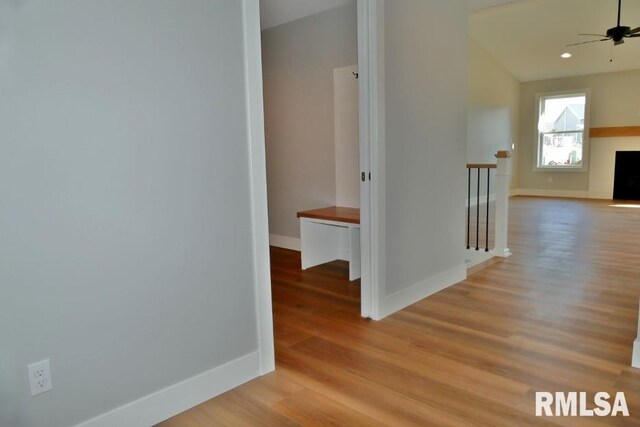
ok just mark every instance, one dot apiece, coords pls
pixel 333 213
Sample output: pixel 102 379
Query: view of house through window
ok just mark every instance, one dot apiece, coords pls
pixel 561 126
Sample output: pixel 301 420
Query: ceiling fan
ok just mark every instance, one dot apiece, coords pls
pixel 617 33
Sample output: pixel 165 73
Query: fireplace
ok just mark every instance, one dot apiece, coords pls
pixel 626 184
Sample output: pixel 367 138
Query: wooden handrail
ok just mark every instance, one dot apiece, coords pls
pixel 333 213
pixel 502 181
pixel 481 166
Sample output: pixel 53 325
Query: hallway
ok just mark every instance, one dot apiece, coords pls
pixel 558 315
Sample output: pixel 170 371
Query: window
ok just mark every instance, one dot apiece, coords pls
pixel 562 122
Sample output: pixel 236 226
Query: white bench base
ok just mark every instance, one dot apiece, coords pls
pixel 323 241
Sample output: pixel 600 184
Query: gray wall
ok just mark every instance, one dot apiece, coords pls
pixel 298 62
pixel 614 102
pixel 125 206
pixel 426 101
pixel 493 108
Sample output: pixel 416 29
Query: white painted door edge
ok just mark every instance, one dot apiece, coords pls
pixel 372 131
pixel 258 171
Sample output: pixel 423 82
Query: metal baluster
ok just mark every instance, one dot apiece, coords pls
pixel 468 208
pixel 486 238
pixel 478 213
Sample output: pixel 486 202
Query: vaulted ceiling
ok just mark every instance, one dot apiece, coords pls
pixel 528 36
pixel 276 12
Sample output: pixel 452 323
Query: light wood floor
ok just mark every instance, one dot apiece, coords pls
pixel 559 315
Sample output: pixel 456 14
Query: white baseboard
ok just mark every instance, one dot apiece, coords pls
pixel 284 242
pixel 550 193
pixel 601 195
pixel 177 398
pixel 473 257
pixel 635 359
pixel 483 200
pixel 421 290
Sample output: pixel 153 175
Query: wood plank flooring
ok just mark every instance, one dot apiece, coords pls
pixel 559 315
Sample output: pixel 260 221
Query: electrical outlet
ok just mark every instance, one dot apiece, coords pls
pixel 40 377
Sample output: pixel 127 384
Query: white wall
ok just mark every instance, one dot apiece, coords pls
pixel 614 102
pixel 346 120
pixel 299 60
pixel 493 107
pixel 425 143
pixel 125 208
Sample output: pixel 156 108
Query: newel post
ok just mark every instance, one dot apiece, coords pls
pixel 503 180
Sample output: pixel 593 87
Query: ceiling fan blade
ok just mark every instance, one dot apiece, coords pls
pixel 634 35
pixel 594 35
pixel 590 41
pixel 635 30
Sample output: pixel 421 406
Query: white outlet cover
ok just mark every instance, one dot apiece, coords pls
pixel 40 377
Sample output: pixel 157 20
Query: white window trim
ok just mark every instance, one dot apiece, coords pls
pixel 586 147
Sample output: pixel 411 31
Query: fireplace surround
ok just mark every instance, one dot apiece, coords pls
pixel 626 185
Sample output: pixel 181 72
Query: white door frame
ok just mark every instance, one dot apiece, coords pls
pixel 258 171
pixel 371 93
pixel 372 131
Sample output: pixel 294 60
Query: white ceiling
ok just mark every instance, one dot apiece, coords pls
pixel 276 12
pixel 475 5
pixel 528 36
pixel 525 36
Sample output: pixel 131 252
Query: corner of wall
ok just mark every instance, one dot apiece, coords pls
pixel 405 297
pixel 284 242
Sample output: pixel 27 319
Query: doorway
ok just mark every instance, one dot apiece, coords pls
pixel 313 130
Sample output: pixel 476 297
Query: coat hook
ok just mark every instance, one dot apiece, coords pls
pixel 355 74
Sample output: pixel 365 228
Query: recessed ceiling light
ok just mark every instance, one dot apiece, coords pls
pixel 566 55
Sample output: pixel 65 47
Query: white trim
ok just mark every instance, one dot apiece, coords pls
pixel 258 172
pixel 483 200
pixel 291 243
pixel 473 257
pixel 585 133
pixel 568 194
pixel 601 195
pixel 364 79
pixel 378 160
pixel 423 289
pixel 550 193
pixel 373 95
pixel 175 399
pixel 371 92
